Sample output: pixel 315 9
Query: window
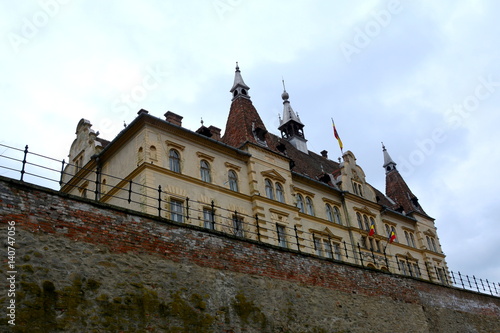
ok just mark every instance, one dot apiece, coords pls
pixel 281 231
pixel 280 196
pixel 309 206
pixel 440 274
pixel 174 160
pixel 357 188
pixel 431 243
pixel 176 211
pixel 336 215
pixel 416 269
pixel 329 212
pixel 205 171
pixel 410 239
pixel 300 203
pixel 328 248
pixel 389 229
pixel 360 221
pixel 367 225
pixel 237 226
pixel 208 219
pixel 233 180
pixel 269 189
pixel 317 246
pixel 336 251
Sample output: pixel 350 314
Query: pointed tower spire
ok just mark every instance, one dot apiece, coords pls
pixel 397 189
pixel 389 164
pixel 239 89
pixel 291 127
pixel 243 123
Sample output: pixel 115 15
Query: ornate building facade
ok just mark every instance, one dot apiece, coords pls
pixel 260 186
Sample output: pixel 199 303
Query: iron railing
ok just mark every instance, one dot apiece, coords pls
pixel 216 218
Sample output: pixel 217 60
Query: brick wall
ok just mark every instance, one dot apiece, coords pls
pixel 77 260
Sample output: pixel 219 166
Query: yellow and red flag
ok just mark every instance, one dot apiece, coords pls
pixel 372 230
pixel 337 137
pixel 392 237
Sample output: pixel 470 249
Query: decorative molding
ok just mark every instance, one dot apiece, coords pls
pixel 175 145
pixel 274 175
pixel 232 166
pixel 205 156
pixel 302 191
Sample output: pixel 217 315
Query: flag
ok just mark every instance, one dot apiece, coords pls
pixel 337 137
pixel 392 236
pixel 372 230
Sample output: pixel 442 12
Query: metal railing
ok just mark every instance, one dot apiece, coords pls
pixel 172 207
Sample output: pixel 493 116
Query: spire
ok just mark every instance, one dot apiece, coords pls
pixel 290 126
pixel 288 113
pixel 239 89
pixel 397 189
pixel 243 123
pixel 389 164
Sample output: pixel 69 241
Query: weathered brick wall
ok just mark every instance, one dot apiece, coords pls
pixel 87 267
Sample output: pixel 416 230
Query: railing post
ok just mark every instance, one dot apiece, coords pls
pixel 474 278
pixel 130 191
pixel 258 227
pixel 468 280
pixel 331 247
pixel 461 280
pixel 62 173
pixel 213 214
pixel 187 208
pixel 345 249
pixel 386 261
pixel 97 182
pixel 159 200
pixel 360 256
pixel 24 162
pixel 297 237
pixel 453 277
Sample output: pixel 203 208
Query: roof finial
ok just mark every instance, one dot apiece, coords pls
pixel 237 67
pixel 284 95
pixel 383 147
pixel 201 121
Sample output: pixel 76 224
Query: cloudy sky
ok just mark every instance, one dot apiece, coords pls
pixel 423 77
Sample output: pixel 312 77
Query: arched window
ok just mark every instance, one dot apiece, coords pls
pixel 329 213
pixel 174 161
pixel 269 189
pixel 360 221
pixel 300 203
pixel 412 240
pixel 407 236
pixel 336 215
pixel 205 171
pixel 367 225
pixel 372 222
pixel 233 180
pixel 280 195
pixel 309 206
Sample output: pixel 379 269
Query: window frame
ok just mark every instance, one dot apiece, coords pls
pixel 232 178
pixel 269 188
pixel 174 161
pixel 280 193
pixel 176 210
pixel 205 171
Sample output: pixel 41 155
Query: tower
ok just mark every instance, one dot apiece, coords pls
pixel 291 127
pixel 243 123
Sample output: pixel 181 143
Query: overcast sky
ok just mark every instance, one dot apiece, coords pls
pixel 423 77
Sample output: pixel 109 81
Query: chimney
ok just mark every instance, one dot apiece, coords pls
pixel 215 132
pixel 324 153
pixel 173 118
pixel 142 111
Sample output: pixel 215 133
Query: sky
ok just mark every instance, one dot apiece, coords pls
pixel 421 77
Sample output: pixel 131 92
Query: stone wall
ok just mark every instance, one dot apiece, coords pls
pixel 88 267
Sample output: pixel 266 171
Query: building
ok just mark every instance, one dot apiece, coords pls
pixel 254 184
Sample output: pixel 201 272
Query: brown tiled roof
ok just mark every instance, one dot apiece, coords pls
pixel 397 189
pixel 242 117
